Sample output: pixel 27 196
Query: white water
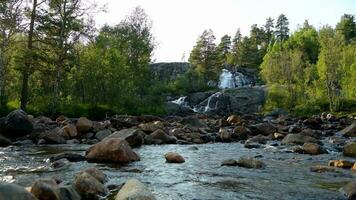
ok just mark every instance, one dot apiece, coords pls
pixel 228 79
pixel 180 101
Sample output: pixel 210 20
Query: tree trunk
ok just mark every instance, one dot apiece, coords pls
pixel 29 60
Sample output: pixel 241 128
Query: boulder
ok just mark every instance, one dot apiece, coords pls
pixel 68 193
pixel 46 189
pixel 113 150
pixel 84 125
pixel 354 167
pixel 164 137
pixel 172 157
pixel 250 163
pixel 134 189
pixel 88 186
pixel 229 162
pixel 16 124
pixel 194 122
pixel 151 126
pixel 100 135
pixel 133 136
pixel 11 191
pixel 234 120
pixel 53 137
pixel 60 163
pixel 265 129
pixel 224 135
pixel 349 131
pixel 4 142
pixel 94 172
pixel 68 131
pixel 298 139
pixel 349 190
pixel 72 157
pixel 350 149
pixel 341 164
pixel 313 148
pixel 240 133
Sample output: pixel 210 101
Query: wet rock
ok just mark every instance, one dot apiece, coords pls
pixel 252 145
pixel 294 129
pixel 102 134
pixel 46 189
pixel 224 135
pixel 250 163
pixel 312 122
pixel 88 186
pixel 321 169
pixel 4 142
pixel 97 174
pixel 133 136
pixel 68 193
pixel 10 191
pixel 229 162
pixel 193 148
pixel 278 136
pixel 84 125
pixel 354 167
pixel 350 149
pixel 151 126
pixel 313 148
pixel 241 133
pixel 234 120
pixel 16 124
pixel 68 131
pixel 349 190
pixel 349 131
pixel 172 157
pixel 260 139
pixel 164 137
pixel 72 157
pixel 298 139
pixel 265 129
pixel 53 137
pixel 341 164
pixel 59 163
pixel 114 150
pixel 134 189
pixel 194 122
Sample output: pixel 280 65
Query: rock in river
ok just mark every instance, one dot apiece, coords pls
pixel 350 149
pixel 10 191
pixel 172 157
pixel 250 163
pixel 349 190
pixel 134 189
pixel 298 139
pixel 88 186
pixel 133 136
pixel 16 124
pixel 113 150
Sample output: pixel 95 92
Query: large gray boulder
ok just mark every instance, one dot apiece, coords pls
pixel 10 191
pixel 132 135
pixel 16 124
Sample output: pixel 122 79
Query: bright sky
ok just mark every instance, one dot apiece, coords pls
pixel 178 23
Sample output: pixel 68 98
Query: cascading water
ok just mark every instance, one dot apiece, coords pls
pixel 181 101
pixel 229 79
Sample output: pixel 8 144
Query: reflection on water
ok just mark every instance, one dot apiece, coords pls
pixel 287 175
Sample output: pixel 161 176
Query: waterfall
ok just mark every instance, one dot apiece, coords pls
pixel 208 104
pixel 180 101
pixel 229 79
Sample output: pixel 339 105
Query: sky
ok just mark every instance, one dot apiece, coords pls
pixel 177 24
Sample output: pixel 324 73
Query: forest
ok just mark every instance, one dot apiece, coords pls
pixel 53 60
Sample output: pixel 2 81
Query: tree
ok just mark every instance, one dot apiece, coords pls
pixel 10 25
pixel 269 26
pixel 347 27
pixel 203 57
pixel 223 51
pixel 282 29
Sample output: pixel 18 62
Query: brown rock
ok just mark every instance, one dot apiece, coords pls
pixel 266 129
pixel 298 139
pixel 224 135
pixel 234 120
pixel 321 168
pixel 151 126
pixel 349 131
pixel 350 149
pixel 84 125
pixel 172 157
pixel 250 163
pixel 241 132
pixel 135 190
pixel 163 136
pixel 111 150
pixel 354 167
pixel 229 162
pixel 312 148
pixel 341 164
pixel 133 136
pixel 45 189
pixel 88 186
pixel 68 131
pixel 350 190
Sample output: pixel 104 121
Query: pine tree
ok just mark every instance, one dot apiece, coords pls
pixel 282 29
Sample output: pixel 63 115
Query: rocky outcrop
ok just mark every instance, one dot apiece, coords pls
pixel 134 189
pixel 114 150
pixel 169 71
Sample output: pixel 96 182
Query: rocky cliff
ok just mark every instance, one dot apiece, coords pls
pixel 169 71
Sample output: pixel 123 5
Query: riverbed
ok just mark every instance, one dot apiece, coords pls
pixel 286 175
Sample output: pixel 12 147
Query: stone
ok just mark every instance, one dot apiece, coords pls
pixel 84 125
pixel 229 162
pixel 88 186
pixel 350 149
pixel 4 142
pixel 68 131
pixel 341 164
pixel 321 169
pixel 100 135
pixel 194 122
pixel 250 163
pixel 72 157
pixel 61 119
pixel 349 131
pixel 172 157
pixel 265 129
pixel 224 135
pixel 313 148
pixel 135 137
pixel 134 189
pixel 59 163
pixel 298 139
pixel 294 129
pixel 97 174
pixel 164 137
pixel 16 124
pixel 233 120
pixel 53 137
pixel 278 136
pixel 46 189
pixel 349 190
pixel 114 150
pixel 241 133
pixel 151 126
pixel 354 167
pixel 68 193
pixel 11 191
